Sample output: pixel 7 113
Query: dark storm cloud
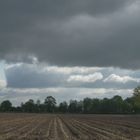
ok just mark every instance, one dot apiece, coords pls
pixel 78 32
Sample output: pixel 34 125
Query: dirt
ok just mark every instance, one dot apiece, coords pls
pixel 22 126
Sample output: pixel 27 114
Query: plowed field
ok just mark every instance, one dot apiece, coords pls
pixel 68 127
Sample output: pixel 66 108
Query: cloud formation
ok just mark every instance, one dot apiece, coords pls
pixel 71 33
pixel 84 47
pixel 85 78
pixel 3 84
pixel 23 75
pixel 42 75
pixel 119 79
pixel 38 80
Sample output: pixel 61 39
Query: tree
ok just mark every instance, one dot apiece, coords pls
pixel 127 107
pixel 50 104
pixel 38 106
pixel 29 106
pixel 106 106
pixel 6 106
pixel 136 91
pixel 73 106
pixel 38 102
pixel 136 100
pixel 87 105
pixel 63 107
pixel 80 107
pixel 118 103
pixel 95 105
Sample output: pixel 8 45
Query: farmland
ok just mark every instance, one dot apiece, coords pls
pixel 21 126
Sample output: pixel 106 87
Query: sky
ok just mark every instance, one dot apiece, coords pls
pixel 68 49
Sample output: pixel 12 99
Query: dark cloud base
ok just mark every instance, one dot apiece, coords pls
pixel 71 33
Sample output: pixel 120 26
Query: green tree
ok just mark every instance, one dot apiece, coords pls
pixel 87 105
pixel 38 102
pixel 118 104
pixel 73 106
pixel 80 107
pixel 38 106
pixel 136 91
pixel 95 105
pixel 127 107
pixel 6 106
pixel 29 106
pixel 106 106
pixel 136 100
pixel 50 104
pixel 63 107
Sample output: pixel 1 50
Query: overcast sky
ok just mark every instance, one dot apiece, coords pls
pixel 70 49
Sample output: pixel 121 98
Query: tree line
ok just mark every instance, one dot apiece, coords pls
pixel 114 105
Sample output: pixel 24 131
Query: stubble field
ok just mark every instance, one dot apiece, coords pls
pixel 68 127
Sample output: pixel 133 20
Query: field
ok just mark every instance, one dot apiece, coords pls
pixel 68 127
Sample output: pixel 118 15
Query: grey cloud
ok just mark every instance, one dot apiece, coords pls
pixel 22 75
pixel 2 84
pixel 29 75
pixel 90 78
pixel 39 75
pixel 18 15
pixel 119 79
pixel 72 33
